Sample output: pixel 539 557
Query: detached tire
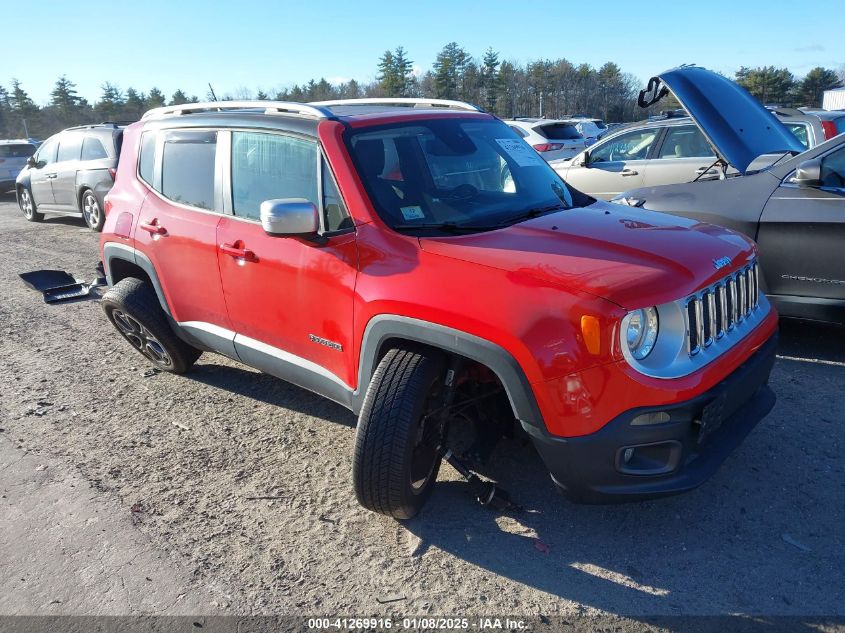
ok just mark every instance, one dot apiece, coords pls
pixel 396 462
pixel 27 205
pixel 133 309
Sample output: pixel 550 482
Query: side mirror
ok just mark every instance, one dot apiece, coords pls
pixel 809 173
pixel 289 216
pixel 30 162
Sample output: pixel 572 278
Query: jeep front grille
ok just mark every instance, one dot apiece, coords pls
pixel 715 311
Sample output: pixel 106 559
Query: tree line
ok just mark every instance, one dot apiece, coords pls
pixel 550 88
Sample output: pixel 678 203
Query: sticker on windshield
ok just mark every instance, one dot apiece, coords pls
pixel 519 150
pixel 412 213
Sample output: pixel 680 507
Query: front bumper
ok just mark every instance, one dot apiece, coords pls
pixel 669 457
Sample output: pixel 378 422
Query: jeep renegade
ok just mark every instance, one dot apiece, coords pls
pixel 417 262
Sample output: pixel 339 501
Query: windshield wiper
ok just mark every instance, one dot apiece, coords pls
pixel 533 212
pixel 452 227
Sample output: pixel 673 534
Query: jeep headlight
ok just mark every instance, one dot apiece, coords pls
pixel 640 332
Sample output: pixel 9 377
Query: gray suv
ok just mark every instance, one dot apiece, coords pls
pixel 71 173
pixel 13 155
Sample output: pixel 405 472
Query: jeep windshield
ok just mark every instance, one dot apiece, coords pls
pixel 457 175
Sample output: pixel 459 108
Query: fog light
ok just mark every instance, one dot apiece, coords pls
pixel 627 455
pixel 655 417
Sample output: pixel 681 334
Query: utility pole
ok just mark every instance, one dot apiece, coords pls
pixel 25 129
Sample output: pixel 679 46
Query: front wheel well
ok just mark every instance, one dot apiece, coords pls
pixel 472 371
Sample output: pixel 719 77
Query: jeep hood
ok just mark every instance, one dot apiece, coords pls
pixel 632 257
pixel 738 127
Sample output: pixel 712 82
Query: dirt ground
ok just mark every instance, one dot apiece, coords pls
pixel 243 482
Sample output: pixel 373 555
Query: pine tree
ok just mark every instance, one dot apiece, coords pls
pixel 65 98
pixel 110 105
pixel 404 72
pixel 178 98
pixel 490 79
pixel 449 71
pixel 20 102
pixel 261 95
pixel 387 75
pixel 812 87
pixel 155 99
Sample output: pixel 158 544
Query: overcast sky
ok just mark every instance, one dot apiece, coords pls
pixel 268 45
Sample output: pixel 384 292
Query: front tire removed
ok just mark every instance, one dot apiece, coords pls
pixel 396 461
pixel 133 309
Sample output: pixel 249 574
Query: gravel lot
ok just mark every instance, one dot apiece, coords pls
pixel 190 461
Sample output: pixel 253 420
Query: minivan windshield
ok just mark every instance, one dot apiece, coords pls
pixel 451 175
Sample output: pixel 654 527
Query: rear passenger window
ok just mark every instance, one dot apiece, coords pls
pixel 269 167
pixel 146 159
pixel 93 149
pixel 69 147
pixel 187 168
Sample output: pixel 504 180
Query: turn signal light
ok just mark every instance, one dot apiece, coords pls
pixel 591 331
pixel 548 147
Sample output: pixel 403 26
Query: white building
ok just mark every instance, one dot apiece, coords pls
pixel 834 99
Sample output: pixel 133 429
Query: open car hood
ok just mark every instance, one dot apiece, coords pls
pixel 738 127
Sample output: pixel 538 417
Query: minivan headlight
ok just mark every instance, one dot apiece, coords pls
pixel 640 334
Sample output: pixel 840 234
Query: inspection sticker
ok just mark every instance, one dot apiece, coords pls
pixel 412 213
pixel 524 155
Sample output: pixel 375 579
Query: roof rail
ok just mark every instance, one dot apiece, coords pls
pixel 269 107
pixel 401 101
pixel 88 126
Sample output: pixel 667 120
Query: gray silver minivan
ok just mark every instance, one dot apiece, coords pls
pixel 71 173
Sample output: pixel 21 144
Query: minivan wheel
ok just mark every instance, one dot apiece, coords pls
pixel 133 308
pixel 396 460
pixel 91 212
pixel 27 205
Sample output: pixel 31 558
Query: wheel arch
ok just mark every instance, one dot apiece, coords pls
pixel 386 331
pixel 121 261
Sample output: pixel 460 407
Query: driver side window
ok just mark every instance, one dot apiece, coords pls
pixel 630 146
pixel 833 169
pixel 47 153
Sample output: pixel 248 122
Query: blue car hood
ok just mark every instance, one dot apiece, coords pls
pixel 735 123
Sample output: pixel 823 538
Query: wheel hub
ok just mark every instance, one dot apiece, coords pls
pixel 141 338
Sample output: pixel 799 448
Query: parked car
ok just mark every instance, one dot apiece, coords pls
pixel 794 206
pixel 71 173
pixel 13 155
pixel 551 138
pixel 811 128
pixel 591 129
pixel 371 253
pixel 651 153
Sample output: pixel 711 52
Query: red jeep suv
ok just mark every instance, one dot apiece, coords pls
pixel 418 263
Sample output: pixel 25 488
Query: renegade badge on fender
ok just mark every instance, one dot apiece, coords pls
pixel 420 264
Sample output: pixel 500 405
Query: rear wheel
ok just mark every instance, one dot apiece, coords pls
pixel 27 205
pixel 396 460
pixel 91 212
pixel 133 308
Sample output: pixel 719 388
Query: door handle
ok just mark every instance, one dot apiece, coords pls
pixel 705 170
pixel 629 172
pixel 153 227
pixel 238 253
pixel 51 176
